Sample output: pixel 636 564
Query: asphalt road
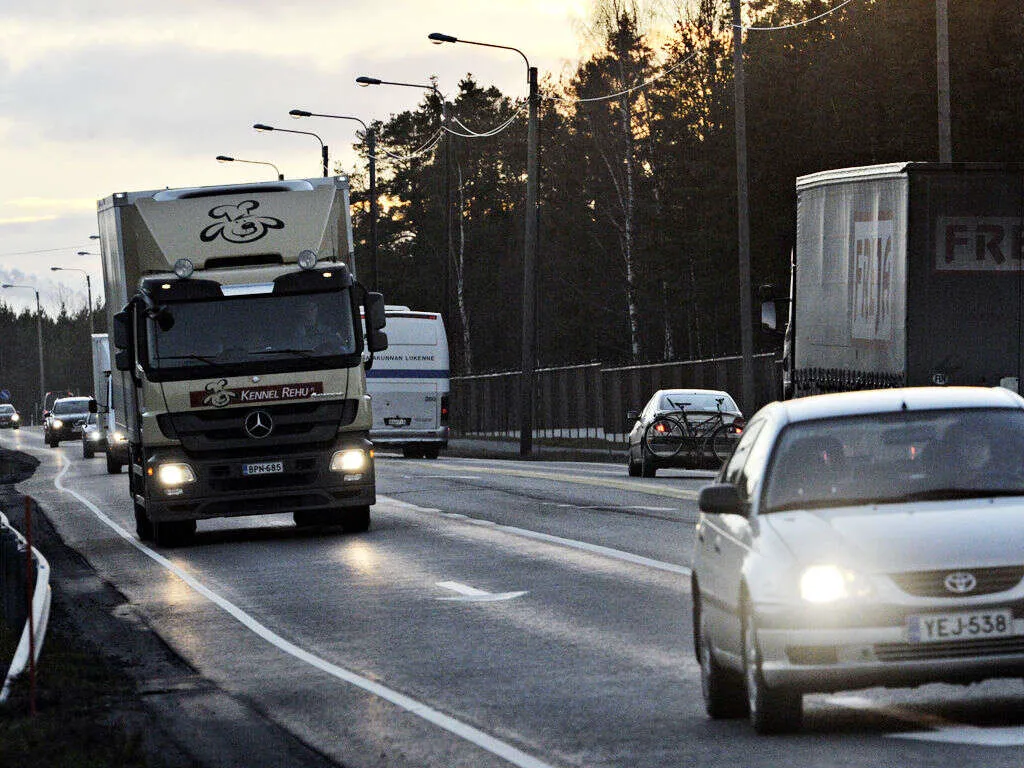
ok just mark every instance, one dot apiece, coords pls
pixel 497 613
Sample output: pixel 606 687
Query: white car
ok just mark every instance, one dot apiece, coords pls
pixel 862 539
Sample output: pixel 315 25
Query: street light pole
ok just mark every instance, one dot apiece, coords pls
pixel 942 64
pixel 743 214
pixel 88 285
pixel 371 151
pixel 323 147
pixel 39 339
pixel 529 307
pixel 365 81
pixel 226 159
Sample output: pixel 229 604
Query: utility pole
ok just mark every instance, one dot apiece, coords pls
pixel 743 214
pixel 942 62
pixel 529 276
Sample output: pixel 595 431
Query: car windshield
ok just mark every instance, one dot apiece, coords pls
pixel 71 405
pixel 245 329
pixel 6 409
pixel 696 401
pixel 897 457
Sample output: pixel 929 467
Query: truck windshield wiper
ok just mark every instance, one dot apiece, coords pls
pixel 200 358
pixel 285 351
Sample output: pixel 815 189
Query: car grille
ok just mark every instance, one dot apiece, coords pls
pixel 932 583
pixel 951 650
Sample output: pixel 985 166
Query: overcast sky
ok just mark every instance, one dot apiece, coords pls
pixel 98 97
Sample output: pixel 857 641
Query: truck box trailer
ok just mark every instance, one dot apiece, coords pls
pixel 239 377
pixel 906 274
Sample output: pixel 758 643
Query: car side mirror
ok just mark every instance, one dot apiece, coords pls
pixel 632 415
pixel 93 406
pixel 721 499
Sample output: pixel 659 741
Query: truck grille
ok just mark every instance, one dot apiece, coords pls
pixel 300 425
pixel 932 583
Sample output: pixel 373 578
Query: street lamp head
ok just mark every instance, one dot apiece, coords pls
pixel 225 159
pixel 365 81
pixel 297 113
pixel 438 38
pixel 262 127
pixel 55 269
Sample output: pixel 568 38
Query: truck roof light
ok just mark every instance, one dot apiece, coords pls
pixel 183 268
pixel 307 259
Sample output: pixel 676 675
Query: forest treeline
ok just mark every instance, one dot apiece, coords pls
pixel 637 252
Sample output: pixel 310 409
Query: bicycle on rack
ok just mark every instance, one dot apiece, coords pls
pixel 703 442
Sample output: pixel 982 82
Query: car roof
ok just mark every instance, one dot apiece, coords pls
pixel 661 392
pixel 66 399
pixel 864 402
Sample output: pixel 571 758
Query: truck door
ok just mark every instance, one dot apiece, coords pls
pixel 965 303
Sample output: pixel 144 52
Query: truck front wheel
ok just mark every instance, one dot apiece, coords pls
pixel 356 520
pixel 113 465
pixel 143 527
pixel 173 533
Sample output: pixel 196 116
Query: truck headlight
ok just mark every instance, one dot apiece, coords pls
pixel 56 423
pixel 351 460
pixel 173 475
pixel 822 584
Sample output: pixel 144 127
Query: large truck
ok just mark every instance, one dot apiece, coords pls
pixel 100 433
pixel 410 385
pixel 238 353
pixel 905 274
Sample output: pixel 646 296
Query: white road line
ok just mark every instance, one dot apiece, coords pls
pixel 599 507
pixel 466 732
pixel 473 595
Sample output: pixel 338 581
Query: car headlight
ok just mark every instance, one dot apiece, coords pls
pixel 56 423
pixel 173 475
pixel 351 460
pixel 94 434
pixel 116 437
pixel 829 583
pixel 15 417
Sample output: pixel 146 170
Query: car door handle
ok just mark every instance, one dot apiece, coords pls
pixel 718 544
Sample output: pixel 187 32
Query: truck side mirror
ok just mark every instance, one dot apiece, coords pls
pixel 769 318
pixel 376 319
pixel 123 358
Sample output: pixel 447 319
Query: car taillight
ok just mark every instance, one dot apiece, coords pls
pixel 444 410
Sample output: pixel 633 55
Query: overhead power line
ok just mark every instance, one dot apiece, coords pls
pixel 796 23
pixel 644 84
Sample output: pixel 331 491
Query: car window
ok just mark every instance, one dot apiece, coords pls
pixel 893 458
pixel 751 473
pixel 77 405
pixel 696 401
pixel 731 471
pixel 6 409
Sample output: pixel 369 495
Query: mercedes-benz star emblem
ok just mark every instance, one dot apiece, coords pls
pixel 258 424
pixel 960 582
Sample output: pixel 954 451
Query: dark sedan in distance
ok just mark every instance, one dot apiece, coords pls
pixel 66 420
pixel 9 417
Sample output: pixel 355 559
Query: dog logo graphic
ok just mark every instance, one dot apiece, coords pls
pixel 217 394
pixel 238 224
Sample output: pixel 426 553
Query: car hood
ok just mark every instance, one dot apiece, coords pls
pixel 889 538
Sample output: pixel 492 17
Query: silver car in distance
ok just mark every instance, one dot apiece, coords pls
pixel 862 539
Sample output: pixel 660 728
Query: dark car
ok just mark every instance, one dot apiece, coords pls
pixel 683 428
pixel 66 420
pixel 9 418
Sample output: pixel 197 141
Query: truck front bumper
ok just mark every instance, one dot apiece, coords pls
pixel 274 482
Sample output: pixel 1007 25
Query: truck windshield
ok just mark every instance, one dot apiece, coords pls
pixel 264 331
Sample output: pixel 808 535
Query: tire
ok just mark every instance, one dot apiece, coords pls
pixel 87 450
pixel 722 689
pixel 431 453
pixel 412 452
pixel 113 465
pixel 356 520
pixel 173 533
pixel 664 437
pixel 143 526
pixel 723 442
pixel 647 467
pixel 53 442
pixel 632 467
pixel 772 710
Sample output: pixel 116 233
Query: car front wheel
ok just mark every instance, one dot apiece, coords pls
pixel 721 688
pixel 772 710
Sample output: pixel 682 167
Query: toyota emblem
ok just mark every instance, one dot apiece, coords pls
pixel 960 582
pixel 258 425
